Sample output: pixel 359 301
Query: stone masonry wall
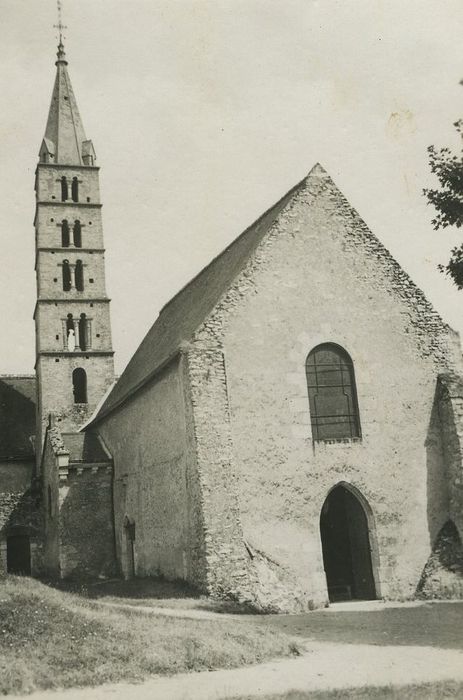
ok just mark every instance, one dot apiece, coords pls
pixel 56 389
pixel 155 484
pixel 85 521
pixel 51 319
pixel 48 187
pixel 50 273
pixel 226 556
pixel 50 497
pixel 320 276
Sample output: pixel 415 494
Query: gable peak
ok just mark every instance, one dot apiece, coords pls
pixel 318 171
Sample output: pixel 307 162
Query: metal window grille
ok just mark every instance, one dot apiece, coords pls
pixel 332 394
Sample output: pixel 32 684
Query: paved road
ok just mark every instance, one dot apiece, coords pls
pixel 428 624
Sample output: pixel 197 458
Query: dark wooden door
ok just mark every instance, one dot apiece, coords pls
pixel 18 555
pixel 346 547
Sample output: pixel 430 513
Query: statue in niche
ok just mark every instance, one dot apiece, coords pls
pixel 71 340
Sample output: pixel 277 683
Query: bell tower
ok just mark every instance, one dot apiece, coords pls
pixel 74 356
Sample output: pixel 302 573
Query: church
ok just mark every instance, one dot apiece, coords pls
pixel 289 433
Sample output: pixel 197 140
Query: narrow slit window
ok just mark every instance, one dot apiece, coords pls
pixel 79 385
pixel 65 234
pixel 66 276
pixel 77 234
pixel 79 276
pixel 83 332
pixel 333 402
pixel 75 189
pixel 64 189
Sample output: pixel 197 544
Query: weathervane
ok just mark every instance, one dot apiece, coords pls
pixel 60 26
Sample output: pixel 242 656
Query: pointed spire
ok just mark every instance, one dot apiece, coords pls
pixel 64 142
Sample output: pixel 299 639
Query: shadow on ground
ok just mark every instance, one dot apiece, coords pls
pixel 151 592
pixel 432 624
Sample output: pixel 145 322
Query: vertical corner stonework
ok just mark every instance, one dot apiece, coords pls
pixel 225 555
pixel 450 406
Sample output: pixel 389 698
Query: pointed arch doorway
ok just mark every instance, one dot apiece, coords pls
pixel 346 547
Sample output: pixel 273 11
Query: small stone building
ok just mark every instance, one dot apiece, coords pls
pixel 20 514
pixel 288 433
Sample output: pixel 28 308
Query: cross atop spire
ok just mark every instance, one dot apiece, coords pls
pixel 60 27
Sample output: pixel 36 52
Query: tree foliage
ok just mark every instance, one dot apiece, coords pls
pixel 448 201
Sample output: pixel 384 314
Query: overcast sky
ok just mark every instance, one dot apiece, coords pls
pixel 203 113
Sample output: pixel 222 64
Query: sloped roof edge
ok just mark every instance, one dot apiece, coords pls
pixel 182 315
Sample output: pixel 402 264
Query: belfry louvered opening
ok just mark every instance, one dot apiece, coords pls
pixel 333 402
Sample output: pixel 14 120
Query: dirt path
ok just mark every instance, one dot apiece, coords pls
pixel 324 666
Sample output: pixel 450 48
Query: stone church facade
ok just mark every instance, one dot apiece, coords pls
pixel 289 431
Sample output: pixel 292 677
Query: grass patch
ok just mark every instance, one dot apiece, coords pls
pixel 426 691
pixel 55 639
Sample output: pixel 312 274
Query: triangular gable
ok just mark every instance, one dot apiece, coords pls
pixel 181 317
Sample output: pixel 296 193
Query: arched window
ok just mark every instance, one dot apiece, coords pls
pixel 79 385
pixel 332 395
pixel 66 276
pixel 65 234
pixel 64 189
pixel 77 234
pixel 75 189
pixel 79 276
pixel 83 336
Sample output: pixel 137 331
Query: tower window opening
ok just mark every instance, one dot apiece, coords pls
pixel 65 233
pixel 75 189
pixel 64 189
pixel 66 276
pixel 79 276
pixel 79 385
pixel 83 332
pixel 77 234
pixel 70 333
